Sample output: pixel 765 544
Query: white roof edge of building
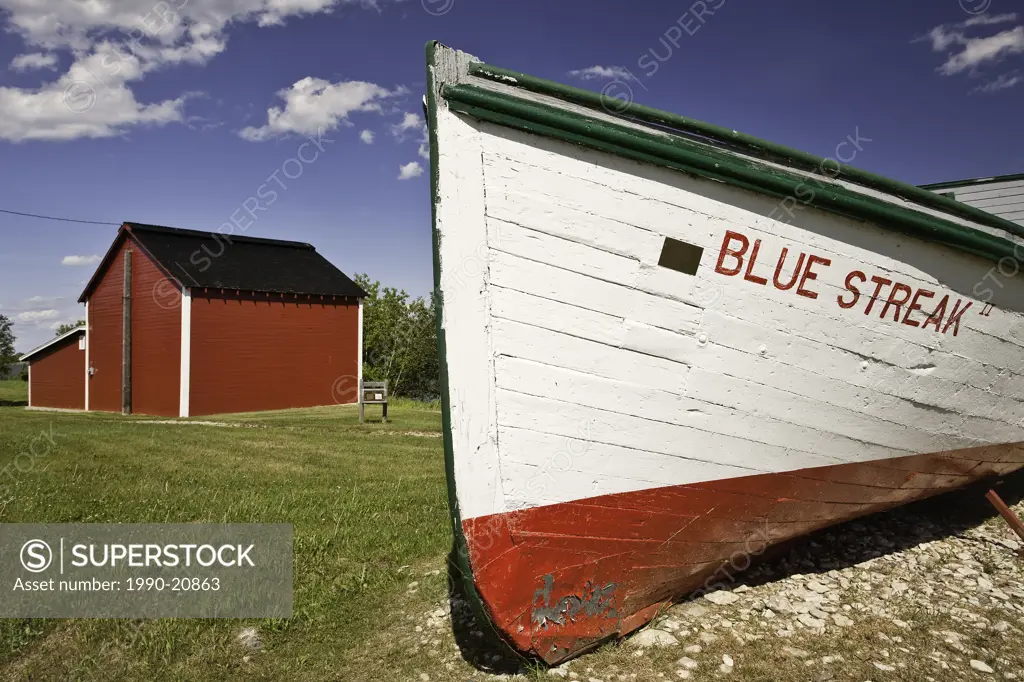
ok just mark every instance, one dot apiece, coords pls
pixel 51 342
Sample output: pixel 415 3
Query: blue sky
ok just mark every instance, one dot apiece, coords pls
pixel 177 112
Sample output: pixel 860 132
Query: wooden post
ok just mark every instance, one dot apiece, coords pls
pixel 1007 514
pixel 126 336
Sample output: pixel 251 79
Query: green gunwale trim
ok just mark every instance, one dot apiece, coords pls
pixel 740 142
pixel 461 547
pixel 691 157
pixel 973 181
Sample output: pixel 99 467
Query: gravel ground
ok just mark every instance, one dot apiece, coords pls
pixel 933 591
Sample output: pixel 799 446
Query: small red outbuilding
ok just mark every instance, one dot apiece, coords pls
pixel 186 323
pixel 56 372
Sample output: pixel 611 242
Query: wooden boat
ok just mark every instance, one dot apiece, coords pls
pixel 666 346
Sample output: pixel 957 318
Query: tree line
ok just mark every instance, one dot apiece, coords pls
pixel 399 340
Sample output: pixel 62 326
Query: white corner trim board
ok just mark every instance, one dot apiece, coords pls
pixel 86 359
pixel 30 384
pixel 186 351
pixel 359 356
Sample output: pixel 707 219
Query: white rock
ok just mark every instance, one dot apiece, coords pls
pixel 841 620
pixel 727 660
pixel 693 610
pixel 768 613
pixel 883 666
pixel 724 669
pixel 683 674
pixel 780 604
pixel 692 649
pixel 796 653
pixel 981 666
pixel 810 621
pixel 815 586
pixel 721 598
pixel 653 637
pixel 687 663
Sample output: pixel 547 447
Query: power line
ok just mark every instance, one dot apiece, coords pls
pixel 63 220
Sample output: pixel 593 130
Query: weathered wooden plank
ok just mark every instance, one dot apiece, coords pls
pixel 826 370
pixel 747 396
pixel 462 252
pixel 586 390
pixel 568 420
pixel 876 260
pixel 515 339
pixel 866 246
pixel 539 279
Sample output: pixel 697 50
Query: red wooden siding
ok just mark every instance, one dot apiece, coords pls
pixel 259 352
pixel 105 338
pixel 58 376
pixel 156 338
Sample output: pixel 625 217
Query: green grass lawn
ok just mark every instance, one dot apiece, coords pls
pixel 368 503
pixel 13 391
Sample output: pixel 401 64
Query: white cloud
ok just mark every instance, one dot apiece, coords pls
pixel 43 301
pixel 413 169
pixel 978 51
pixel 366 136
pixel 75 261
pixel 116 44
pixel 37 316
pixel 34 60
pixel 409 122
pixel 1002 82
pixel 413 122
pixel 606 72
pixel 990 19
pixel 59 323
pixel 314 104
pixel 968 52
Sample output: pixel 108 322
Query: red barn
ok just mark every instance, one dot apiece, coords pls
pixel 56 372
pixel 186 323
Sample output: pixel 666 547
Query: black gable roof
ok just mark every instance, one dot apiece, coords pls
pixel 236 262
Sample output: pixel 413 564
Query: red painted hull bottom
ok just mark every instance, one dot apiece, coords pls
pixel 557 580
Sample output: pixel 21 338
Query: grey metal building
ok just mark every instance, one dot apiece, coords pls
pixel 1002 195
